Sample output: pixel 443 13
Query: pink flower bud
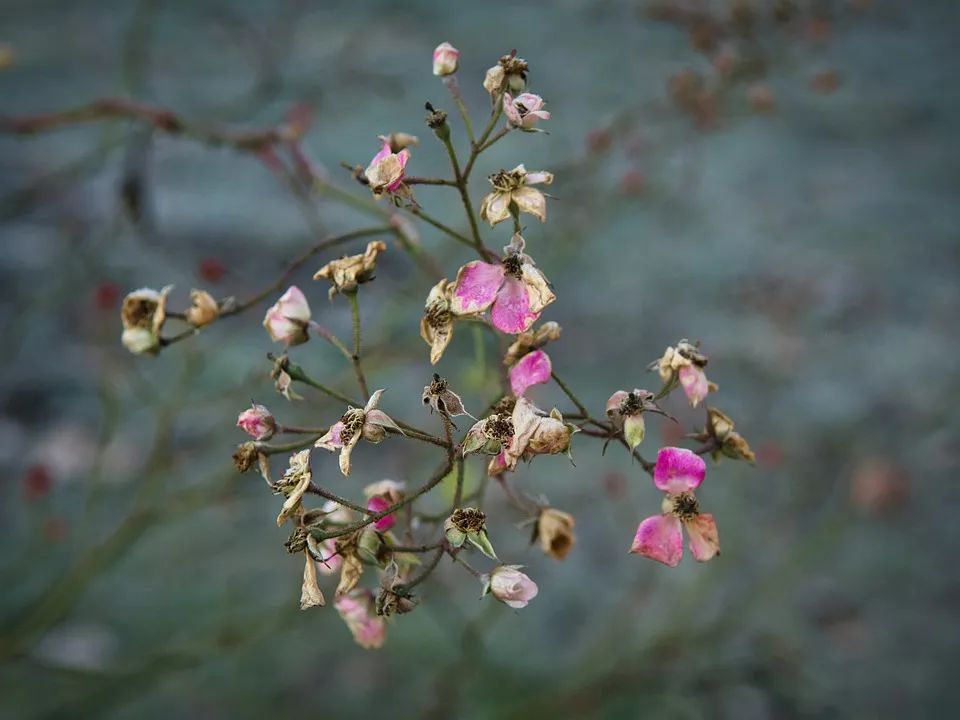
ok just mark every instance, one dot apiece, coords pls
pixel 377 504
pixel 257 422
pixel 512 587
pixel 288 319
pixel 525 110
pixel 446 59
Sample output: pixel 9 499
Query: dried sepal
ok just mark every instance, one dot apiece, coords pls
pixel 310 593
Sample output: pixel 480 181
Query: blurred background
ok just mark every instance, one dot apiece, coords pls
pixel 775 179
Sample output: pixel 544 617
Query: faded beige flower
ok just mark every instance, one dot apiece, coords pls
pixel 368 422
pixel 728 441
pixel 684 364
pixel 143 313
pixel 510 73
pixel 436 325
pixel 294 484
pixel 204 309
pixel 310 593
pixel 531 340
pixel 513 188
pixel 349 271
pixel 536 433
pixel 554 533
pixel 440 398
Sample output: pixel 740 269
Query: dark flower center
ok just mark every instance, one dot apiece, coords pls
pixel 685 506
pixel 498 428
pixel 468 520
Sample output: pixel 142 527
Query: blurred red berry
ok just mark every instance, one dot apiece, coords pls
pixel 212 270
pixel 37 482
pixel 107 296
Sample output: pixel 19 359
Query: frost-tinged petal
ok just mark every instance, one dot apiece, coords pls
pixel 659 538
pixel 678 470
pixel 511 311
pixel 704 541
pixel 533 369
pixel 476 287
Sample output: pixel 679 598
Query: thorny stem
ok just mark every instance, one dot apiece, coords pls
pixel 355 358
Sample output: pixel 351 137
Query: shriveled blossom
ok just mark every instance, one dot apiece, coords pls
pixel 143 314
pixel 358 610
pixel 310 593
pixel 515 290
pixel 258 422
pixel 446 59
pixel 684 364
pixel 625 410
pixel 203 309
pixel 380 496
pixel 489 436
pixel 536 433
pixel 725 440
pixel 386 170
pixel 346 273
pixel 436 325
pixel 288 319
pixel 514 188
pixel 678 473
pixel 531 340
pixel 371 423
pixel 524 111
pixel 296 480
pixel 440 398
pixel 325 553
pixel 510 586
pixel 469 525
pixel 510 73
pixel 554 532
pixel 533 369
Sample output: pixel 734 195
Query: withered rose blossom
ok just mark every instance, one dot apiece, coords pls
pixel 143 314
pixel 514 188
pixel 436 325
pixel 531 340
pixel 288 319
pixel 386 170
pixel 440 398
pixel 294 484
pixel 684 364
pixel 351 270
pixel 554 532
pixel 524 111
pixel 371 423
pixel 358 610
pixel 510 73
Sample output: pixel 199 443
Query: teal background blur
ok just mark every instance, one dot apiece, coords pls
pixel 813 250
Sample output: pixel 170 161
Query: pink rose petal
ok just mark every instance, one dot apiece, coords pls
pixel 378 504
pixel 695 385
pixel 476 287
pixel 678 470
pixel 511 309
pixel 534 368
pixel 659 538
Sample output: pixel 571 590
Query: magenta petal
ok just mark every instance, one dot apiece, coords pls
pixel 511 310
pixel 476 288
pixel 378 504
pixel 659 538
pixel 678 470
pixel 384 152
pixel 695 385
pixel 534 368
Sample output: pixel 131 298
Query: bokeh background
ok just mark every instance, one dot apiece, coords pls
pixel 783 190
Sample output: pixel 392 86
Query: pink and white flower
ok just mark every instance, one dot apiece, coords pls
pixel 258 422
pixel 358 610
pixel 525 110
pixel 684 364
pixel 515 290
pixel 446 58
pixel 678 473
pixel 510 586
pixel 513 189
pixel 287 320
pixel 370 422
pixel 386 170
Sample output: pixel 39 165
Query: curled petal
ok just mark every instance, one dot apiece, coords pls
pixel 331 440
pixel 531 201
pixel 613 406
pixel 659 538
pixel 293 499
pixel 495 208
pixel 694 382
pixel 537 288
pixel 526 419
pixel 380 419
pixel 345 452
pixel 497 465
pixel 678 470
pixel 374 401
pixel 310 593
pixel 540 177
pixel 476 287
pixel 704 541
pixel 533 369
pixel 511 310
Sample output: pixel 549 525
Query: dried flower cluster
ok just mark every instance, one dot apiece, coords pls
pixel 381 547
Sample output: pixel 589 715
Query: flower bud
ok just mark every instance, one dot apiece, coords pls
pixel 257 422
pixel 554 532
pixel 369 546
pixel 510 586
pixel 287 320
pixel 446 59
pixel 204 309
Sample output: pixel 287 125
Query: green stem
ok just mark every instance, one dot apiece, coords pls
pixel 355 358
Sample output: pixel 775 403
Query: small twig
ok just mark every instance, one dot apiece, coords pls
pixel 355 358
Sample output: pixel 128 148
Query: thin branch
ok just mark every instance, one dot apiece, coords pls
pixel 355 358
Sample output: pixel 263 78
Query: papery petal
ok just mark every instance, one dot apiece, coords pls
pixel 539 177
pixel 345 452
pixel 526 419
pixel 530 101
pixel 511 310
pixel 310 593
pixel 695 385
pixel 497 465
pixel 294 304
pixel 659 538
pixel 476 287
pixel 379 417
pixel 374 400
pixel 533 369
pixel 331 440
pixel 613 405
pixel 678 470
pixel 495 208
pixel 704 541
pixel 384 152
pixel 538 288
pixel 510 110
pixel 531 201
pixel 293 500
